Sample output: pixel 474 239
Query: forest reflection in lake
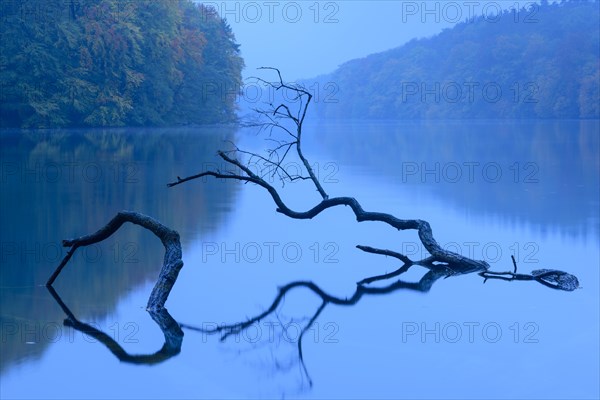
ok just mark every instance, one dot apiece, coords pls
pixel 67 183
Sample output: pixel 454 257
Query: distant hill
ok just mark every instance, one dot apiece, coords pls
pixel 540 62
pixel 111 63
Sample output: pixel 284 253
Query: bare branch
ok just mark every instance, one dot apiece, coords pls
pixel 298 120
pixel 288 113
pixel 390 253
pixel 551 278
pixel 210 173
pixel 459 263
pixel 170 239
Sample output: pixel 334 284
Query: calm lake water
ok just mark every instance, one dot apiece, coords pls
pixel 490 189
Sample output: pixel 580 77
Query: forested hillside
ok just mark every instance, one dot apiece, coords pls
pixel 539 62
pixel 115 63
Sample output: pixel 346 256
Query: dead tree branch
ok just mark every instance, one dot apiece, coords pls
pixel 440 263
pixel 551 278
pixel 275 115
pixel 439 259
pixel 457 262
pixel 172 262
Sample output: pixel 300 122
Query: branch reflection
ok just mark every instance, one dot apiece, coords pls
pixel 423 285
pixel 170 328
pixel 551 278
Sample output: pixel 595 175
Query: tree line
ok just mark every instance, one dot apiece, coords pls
pixel 114 63
pixel 537 62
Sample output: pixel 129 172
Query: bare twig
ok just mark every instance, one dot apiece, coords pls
pixel 384 252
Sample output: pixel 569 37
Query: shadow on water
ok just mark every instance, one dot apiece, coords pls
pixel 59 184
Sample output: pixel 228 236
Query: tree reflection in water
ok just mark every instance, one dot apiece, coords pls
pixel 169 327
pixel 173 333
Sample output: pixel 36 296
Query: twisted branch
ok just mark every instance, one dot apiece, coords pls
pixel 170 239
pixel 457 261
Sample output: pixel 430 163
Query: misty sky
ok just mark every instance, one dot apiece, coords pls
pixel 309 38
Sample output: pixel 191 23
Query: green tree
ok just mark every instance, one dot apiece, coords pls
pixel 114 63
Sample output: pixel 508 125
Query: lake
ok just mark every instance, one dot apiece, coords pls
pixel 489 189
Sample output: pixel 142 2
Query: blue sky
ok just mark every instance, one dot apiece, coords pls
pixel 309 38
